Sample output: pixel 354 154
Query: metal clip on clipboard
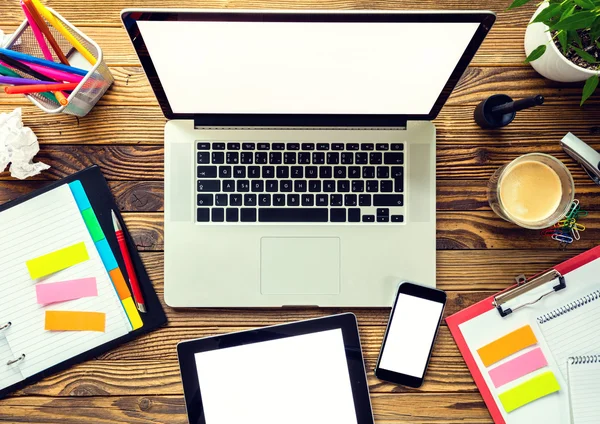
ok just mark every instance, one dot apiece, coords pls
pixel 524 286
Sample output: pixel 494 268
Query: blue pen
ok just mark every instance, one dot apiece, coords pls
pixel 43 62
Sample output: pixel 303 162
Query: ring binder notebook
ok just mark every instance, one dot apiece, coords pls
pixel 569 307
pixel 70 222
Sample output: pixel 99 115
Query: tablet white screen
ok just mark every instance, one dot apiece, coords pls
pixel 294 380
pixel 305 67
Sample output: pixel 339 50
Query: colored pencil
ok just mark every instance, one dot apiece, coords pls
pixel 60 97
pixel 44 28
pixel 7 72
pixel 23 67
pixel 10 73
pixel 38 61
pixel 37 33
pixel 54 74
pixel 21 81
pixel 39 88
pixel 65 32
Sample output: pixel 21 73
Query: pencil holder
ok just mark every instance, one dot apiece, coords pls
pixel 90 89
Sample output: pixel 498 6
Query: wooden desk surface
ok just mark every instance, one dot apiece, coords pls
pixel 478 253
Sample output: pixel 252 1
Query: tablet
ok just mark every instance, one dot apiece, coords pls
pixel 304 372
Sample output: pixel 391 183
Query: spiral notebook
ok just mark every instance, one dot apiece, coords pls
pixel 60 267
pixel 517 343
pixel 584 388
pixel 573 329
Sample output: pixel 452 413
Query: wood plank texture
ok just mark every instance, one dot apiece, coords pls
pixel 478 253
pixel 464 408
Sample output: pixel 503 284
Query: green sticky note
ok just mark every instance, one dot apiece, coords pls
pixel 91 221
pixel 57 261
pixel 533 389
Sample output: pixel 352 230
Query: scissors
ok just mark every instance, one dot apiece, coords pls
pixel 587 157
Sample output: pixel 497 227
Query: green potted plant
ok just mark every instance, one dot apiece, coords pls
pixel 562 41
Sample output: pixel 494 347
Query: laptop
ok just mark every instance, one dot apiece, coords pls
pixel 299 149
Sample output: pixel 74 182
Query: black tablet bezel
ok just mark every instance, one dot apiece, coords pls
pixel 422 292
pixel 346 322
pixel 130 18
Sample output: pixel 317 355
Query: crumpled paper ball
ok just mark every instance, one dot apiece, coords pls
pixel 18 146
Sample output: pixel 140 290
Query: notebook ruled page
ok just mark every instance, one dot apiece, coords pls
pixel 573 332
pixel 584 386
pixel 47 223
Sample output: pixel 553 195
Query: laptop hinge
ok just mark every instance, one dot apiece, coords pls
pixel 205 127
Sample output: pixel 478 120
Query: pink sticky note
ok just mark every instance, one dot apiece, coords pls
pixel 518 367
pixel 66 290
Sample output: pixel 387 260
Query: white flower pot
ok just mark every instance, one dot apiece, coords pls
pixel 552 65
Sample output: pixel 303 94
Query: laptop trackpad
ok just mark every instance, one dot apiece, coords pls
pixel 300 265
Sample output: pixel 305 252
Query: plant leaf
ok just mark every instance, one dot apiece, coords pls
pixel 585 4
pixel 588 89
pixel 547 14
pixel 595 29
pixel 536 53
pixel 573 37
pixel 577 20
pixel 518 3
pixel 585 55
pixel 562 39
pixel 568 12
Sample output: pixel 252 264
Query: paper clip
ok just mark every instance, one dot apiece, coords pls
pixel 563 238
pixel 548 232
pixel 575 233
pixel 574 209
pixel 579 227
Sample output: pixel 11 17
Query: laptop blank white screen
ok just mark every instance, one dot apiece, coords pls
pixel 305 67
pixel 294 380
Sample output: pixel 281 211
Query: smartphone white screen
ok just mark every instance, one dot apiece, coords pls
pixel 410 336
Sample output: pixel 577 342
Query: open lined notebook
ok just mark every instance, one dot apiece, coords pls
pixel 44 224
pixel 584 389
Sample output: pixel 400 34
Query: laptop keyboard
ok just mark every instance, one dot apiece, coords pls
pixel 300 182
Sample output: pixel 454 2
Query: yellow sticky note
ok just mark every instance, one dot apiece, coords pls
pixel 75 321
pixel 57 261
pixel 132 313
pixel 533 389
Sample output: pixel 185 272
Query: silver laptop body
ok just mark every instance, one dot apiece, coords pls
pixel 298 206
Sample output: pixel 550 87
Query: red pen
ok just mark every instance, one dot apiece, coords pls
pixel 133 281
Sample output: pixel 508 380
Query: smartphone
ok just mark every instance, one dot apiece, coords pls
pixel 410 334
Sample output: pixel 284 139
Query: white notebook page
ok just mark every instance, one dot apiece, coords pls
pixel 573 330
pixel 44 224
pixel 584 391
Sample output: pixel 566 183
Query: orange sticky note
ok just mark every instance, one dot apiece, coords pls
pixel 507 345
pixel 75 321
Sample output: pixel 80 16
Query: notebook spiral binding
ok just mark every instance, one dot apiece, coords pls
pixel 569 307
pixel 5 325
pixel 589 359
